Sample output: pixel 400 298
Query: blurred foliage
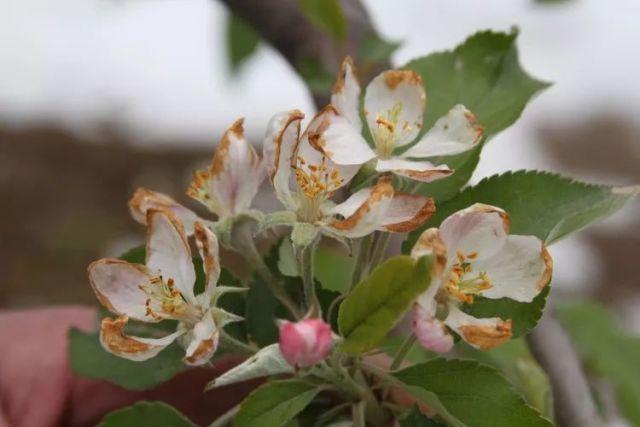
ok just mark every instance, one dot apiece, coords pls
pixel 147 414
pixel 327 15
pixel 242 41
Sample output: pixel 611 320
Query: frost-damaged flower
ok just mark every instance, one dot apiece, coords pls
pixel 306 342
pixel 475 255
pixel 162 289
pixel 394 104
pixel 317 177
pixel 226 188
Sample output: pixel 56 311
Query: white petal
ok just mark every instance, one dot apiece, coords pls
pixel 351 205
pixel 391 90
pixel 519 270
pixel 453 133
pixel 117 283
pixel 369 215
pixel 418 170
pixel 484 334
pixel 345 95
pixel 480 230
pixel 279 145
pixel 407 212
pixel 430 243
pixel 144 199
pixel 204 342
pixel 168 252
pixel 207 243
pixel 229 185
pixel 341 141
pixel 116 341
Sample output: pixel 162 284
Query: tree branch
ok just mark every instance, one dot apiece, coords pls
pixel 573 401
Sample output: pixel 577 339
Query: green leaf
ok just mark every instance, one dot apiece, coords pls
pixel 275 403
pixel 261 313
pixel 374 49
pixel 377 303
pixel 416 419
pixel 315 75
pixel 333 269
pixel 90 360
pixel 148 414
pixel 135 255
pixel 326 15
pixel 242 41
pixel 474 394
pixel 606 350
pixel 541 204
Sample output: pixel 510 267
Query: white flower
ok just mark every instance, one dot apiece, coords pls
pixel 394 104
pixel 475 255
pixel 162 289
pixel 290 156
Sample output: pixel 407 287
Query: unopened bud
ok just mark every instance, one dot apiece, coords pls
pixel 431 332
pixel 306 342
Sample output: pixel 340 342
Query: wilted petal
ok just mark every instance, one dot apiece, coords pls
pixel 454 133
pixel 407 212
pixel 398 97
pixel 479 230
pixel 484 334
pixel 369 212
pixel 279 145
pixel 204 342
pixel 345 95
pixel 144 199
pixel 519 270
pixel 418 170
pixel 118 286
pixel 207 243
pixel 306 342
pixel 229 185
pixel 168 252
pixel 431 333
pixel 114 339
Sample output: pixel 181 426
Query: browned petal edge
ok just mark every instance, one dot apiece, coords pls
pixel 545 278
pixel 338 85
pixel 430 240
pixel 487 337
pixel 424 174
pixel 382 189
pixel 143 198
pixel 393 78
pixel 220 157
pixel 116 340
pixel 198 189
pixel 424 213
pixel 314 130
pixel 101 297
pixel 293 116
pixel 506 220
pixel 205 349
pixel 175 222
pixel 202 235
pixel 477 127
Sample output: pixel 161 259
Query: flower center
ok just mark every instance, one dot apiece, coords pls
pixel 317 182
pixel 165 301
pixel 463 283
pixel 388 130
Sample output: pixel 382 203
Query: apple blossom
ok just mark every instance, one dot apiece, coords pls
pixel 306 342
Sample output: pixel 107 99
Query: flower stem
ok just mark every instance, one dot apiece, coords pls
pixel 305 261
pixel 379 248
pixel 358 414
pixel 363 248
pixel 402 352
pixel 237 345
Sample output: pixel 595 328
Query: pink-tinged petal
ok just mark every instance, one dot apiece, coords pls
pixel 208 247
pixel 279 145
pixel 144 199
pixel 306 342
pixel 345 95
pixel 417 170
pixel 484 334
pixel 396 93
pixel 168 252
pixel 431 333
pixel 118 286
pixel 479 231
pixel 452 134
pixel 339 140
pixel 204 342
pixel 369 215
pixel 407 212
pixel 231 182
pixel 519 270
pixel 114 339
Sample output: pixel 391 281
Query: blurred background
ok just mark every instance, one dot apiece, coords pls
pixel 98 97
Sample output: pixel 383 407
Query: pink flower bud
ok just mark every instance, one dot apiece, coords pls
pixel 431 332
pixel 306 342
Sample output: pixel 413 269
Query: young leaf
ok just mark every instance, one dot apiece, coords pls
pixel 275 403
pixel 267 361
pixel 327 15
pixel 607 351
pixel 90 360
pixel 416 419
pixel 333 270
pixel 242 41
pixel 475 395
pixel 377 303
pixel 146 414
